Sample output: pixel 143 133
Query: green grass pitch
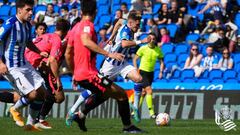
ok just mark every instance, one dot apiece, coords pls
pixel 113 127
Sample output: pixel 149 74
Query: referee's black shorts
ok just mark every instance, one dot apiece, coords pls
pixel 147 78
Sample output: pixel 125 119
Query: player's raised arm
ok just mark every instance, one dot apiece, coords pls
pixel 87 41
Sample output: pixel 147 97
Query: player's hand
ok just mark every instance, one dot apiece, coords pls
pixel 117 56
pixel 44 54
pixel 160 75
pixel 146 40
pixel 3 69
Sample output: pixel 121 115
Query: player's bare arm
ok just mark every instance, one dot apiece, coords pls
pixel 115 29
pixel 128 43
pixel 135 58
pixel 54 68
pixel 87 41
pixel 161 69
pixel 69 57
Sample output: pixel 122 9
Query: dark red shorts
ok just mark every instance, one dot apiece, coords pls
pixel 97 83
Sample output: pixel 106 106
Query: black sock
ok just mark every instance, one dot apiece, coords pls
pixel 124 112
pixel 47 106
pixel 92 102
pixel 7 97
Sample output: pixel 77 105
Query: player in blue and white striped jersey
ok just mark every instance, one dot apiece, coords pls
pixel 15 36
pixel 123 41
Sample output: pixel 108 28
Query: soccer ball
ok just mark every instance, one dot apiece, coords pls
pixel 162 119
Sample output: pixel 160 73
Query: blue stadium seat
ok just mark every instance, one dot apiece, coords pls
pixel 176 74
pixel 56 9
pixel 215 74
pixel 204 75
pixel 103 10
pixel 13 11
pixel 229 74
pixel 171 57
pixel 102 2
pixel 51 28
pixel 142 36
pixel 167 48
pixel 161 26
pixel 39 8
pixel 217 80
pixel 182 59
pixel 202 80
pixel 4 17
pixel 193 11
pixel 187 74
pixel 237 67
pixel 115 7
pixel 105 19
pixel 231 81
pixel 126 1
pixel 193 37
pixel 237 20
pixel 236 58
pixel 156 8
pixel 161 80
pixel 4 10
pixel 100 59
pixel 238 2
pixel 181 48
pixel 172 28
pixel 147 16
pixel 174 80
pixel 189 80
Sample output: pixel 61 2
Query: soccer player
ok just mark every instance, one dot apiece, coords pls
pixel 149 54
pixel 84 63
pixel 15 36
pixel 49 67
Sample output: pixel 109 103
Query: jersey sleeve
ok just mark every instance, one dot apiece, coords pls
pixel 56 50
pixel 125 34
pixel 140 51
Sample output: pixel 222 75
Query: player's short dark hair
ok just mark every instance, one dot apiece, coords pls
pixel 22 3
pixel 40 24
pixel 75 21
pixel 88 7
pixel 50 4
pixel 124 4
pixel 62 25
pixel 134 16
pixel 64 7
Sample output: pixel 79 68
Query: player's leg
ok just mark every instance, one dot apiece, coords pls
pixel 82 97
pixel 9 97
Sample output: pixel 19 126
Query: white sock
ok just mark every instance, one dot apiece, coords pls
pixel 83 96
pixel 22 102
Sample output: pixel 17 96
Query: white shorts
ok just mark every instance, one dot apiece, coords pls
pixel 113 71
pixel 24 79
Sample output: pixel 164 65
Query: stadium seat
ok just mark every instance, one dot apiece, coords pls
pixel 4 17
pixel 237 20
pixel 39 8
pixel 193 37
pixel 187 74
pixel 171 57
pixel 161 26
pixel 182 59
pixel 238 2
pixel 204 75
pixel 231 81
pixel 56 8
pixel 229 74
pixel 12 11
pixel 174 80
pixel 181 48
pixel 103 10
pixel 4 10
pixel 105 19
pixel 115 7
pixel 147 16
pixel 102 2
pixel 189 80
pixel 156 8
pixel 167 48
pixel 217 80
pixel 215 74
pixel 176 74
pixel 237 67
pixel 236 58
pixel 161 80
pixel 51 28
pixel 193 11
pixel 100 59
pixel 172 28
pixel 202 80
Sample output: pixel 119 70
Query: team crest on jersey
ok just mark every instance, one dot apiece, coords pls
pixel 1 30
pixel 86 29
pixel 124 34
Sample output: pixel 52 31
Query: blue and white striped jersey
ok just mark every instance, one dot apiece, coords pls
pixel 124 33
pixel 14 36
